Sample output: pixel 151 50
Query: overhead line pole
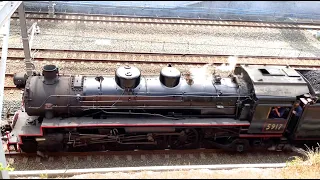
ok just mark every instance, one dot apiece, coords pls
pixel 7 8
pixel 4 174
pixel 51 8
pixel 25 40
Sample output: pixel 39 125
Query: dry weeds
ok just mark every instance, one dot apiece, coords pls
pixel 304 168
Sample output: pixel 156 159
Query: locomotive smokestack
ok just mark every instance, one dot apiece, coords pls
pixel 50 73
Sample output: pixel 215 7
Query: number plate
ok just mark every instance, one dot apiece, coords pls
pixel 274 126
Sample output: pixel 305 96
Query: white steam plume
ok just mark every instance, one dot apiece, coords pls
pixel 206 72
pixel 230 66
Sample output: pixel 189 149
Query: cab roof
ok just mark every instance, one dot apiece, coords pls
pixel 276 80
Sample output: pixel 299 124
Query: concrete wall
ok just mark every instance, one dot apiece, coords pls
pixel 154 4
pixel 246 10
pixel 292 7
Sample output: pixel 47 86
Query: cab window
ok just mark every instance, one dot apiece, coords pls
pixel 279 112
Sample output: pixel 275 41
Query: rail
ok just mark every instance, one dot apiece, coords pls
pixel 185 49
pixel 182 61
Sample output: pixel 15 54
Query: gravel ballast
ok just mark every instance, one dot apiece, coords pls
pixel 170 39
pixel 99 161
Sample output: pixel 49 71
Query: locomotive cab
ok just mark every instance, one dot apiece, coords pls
pixel 277 90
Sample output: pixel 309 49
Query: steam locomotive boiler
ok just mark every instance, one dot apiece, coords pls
pixel 169 110
pixel 166 96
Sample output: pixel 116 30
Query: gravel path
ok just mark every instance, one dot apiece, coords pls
pixel 31 163
pixel 171 39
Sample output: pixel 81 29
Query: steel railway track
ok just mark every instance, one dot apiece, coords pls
pixel 142 57
pixel 66 58
pixel 22 161
pixel 112 153
pixel 164 21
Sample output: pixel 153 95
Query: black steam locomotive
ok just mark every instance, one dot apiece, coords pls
pixel 167 111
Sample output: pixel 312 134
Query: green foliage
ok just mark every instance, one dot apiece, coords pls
pixel 44 176
pixel 8 168
pixel 296 161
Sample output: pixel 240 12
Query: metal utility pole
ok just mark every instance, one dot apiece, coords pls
pixel 25 40
pixel 6 10
pixel 51 8
pixel 4 174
